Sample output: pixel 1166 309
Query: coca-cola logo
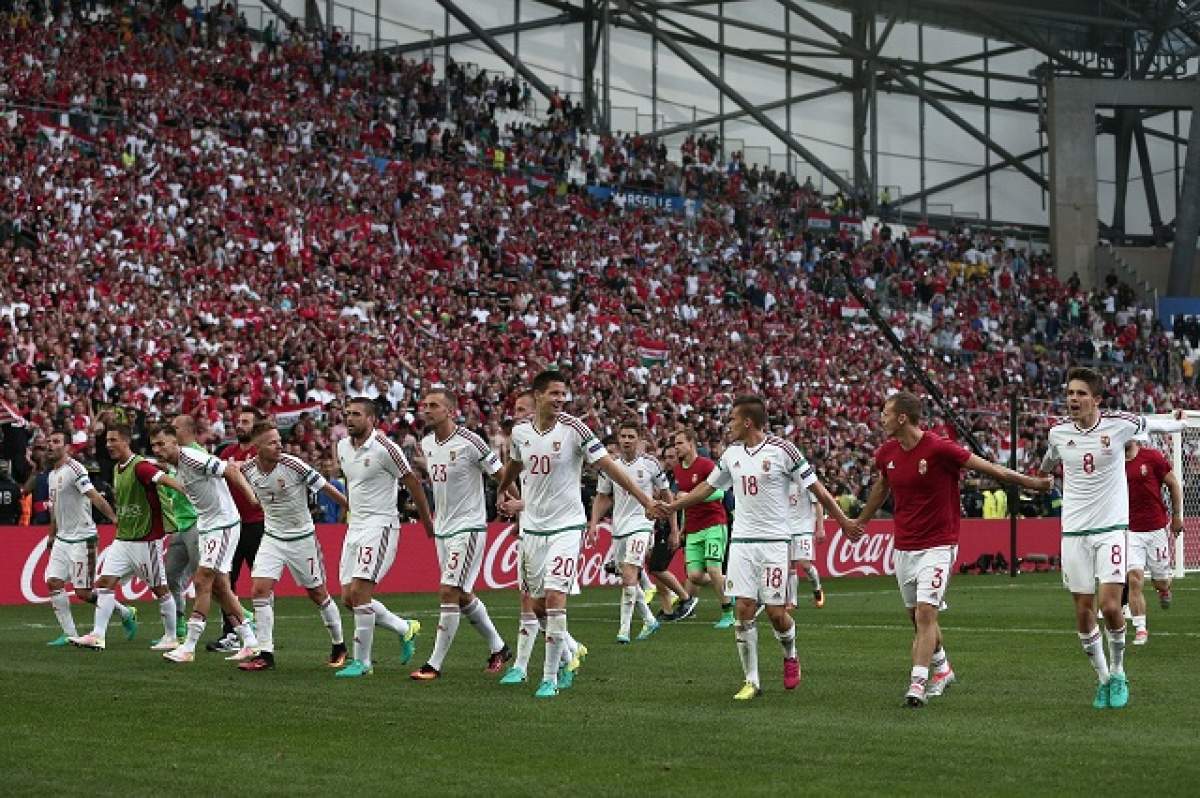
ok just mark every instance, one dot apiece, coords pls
pixel 871 555
pixel 500 561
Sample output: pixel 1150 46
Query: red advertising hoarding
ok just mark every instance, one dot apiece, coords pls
pixel 23 557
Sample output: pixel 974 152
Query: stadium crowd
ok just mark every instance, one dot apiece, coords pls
pixel 197 218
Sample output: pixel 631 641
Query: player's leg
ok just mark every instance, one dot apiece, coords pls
pixel 472 607
pixel 559 565
pixel 670 592
pixel 450 610
pixel 202 581
pixel 58 572
pixel 222 590
pixel 375 548
pixel 306 562
pixel 1159 559
pixel 629 597
pixel 249 539
pixel 1111 566
pixel 528 628
pixel 633 556
pixel 697 576
pixel 714 557
pixel 262 596
pixel 1137 603
pixel 742 583
pixel 152 570
pixel 806 552
pixel 774 596
pixel 182 559
pixel 123 558
pixel 1079 577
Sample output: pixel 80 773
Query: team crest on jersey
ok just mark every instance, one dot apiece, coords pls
pixel 1105 441
pixel 766 466
pixel 557 445
pixel 1145 470
pixel 453 454
pixel 922 467
pixel 891 464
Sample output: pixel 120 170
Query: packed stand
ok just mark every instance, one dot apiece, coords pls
pixel 193 222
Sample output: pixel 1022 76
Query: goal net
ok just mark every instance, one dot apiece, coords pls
pixel 1183 451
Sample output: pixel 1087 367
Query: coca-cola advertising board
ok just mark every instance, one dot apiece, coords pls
pixel 23 557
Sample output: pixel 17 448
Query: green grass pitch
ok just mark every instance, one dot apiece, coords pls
pixel 651 718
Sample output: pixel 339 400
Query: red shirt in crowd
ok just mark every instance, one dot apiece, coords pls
pixel 249 513
pixel 924 485
pixel 706 514
pixel 1145 474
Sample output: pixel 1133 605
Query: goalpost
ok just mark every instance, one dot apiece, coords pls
pixel 1183 450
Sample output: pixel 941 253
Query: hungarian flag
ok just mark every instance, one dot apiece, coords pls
pixel 923 235
pixel 515 184
pixel 540 182
pixel 287 416
pixel 65 136
pixel 853 309
pixel 819 220
pixel 652 353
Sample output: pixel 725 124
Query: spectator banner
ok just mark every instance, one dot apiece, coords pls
pixel 921 234
pixel 23 557
pixel 851 224
pixel 819 220
pixel 638 199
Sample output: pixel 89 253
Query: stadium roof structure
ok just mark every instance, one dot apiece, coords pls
pixel 850 56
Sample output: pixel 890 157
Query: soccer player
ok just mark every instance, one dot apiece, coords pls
pixel 921 471
pixel 282 484
pixel 704 531
pixel 72 540
pixel 1095 520
pixel 206 480
pixel 530 622
pixel 458 461
pixel 183 552
pixel 548 452
pixel 1146 471
pixel 251 515
pixel 632 530
pixel 666 542
pixel 137 549
pixel 374 466
pixel 759 468
pixel 809 521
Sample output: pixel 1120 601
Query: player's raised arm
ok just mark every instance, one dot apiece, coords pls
pixel 1002 474
pixel 1173 424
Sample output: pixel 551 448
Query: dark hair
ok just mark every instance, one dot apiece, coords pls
pixel 252 410
pixel 122 430
pixel 1095 382
pixel 366 404
pixel 543 381
pixel 907 403
pixel 163 429
pixel 525 392
pixel 752 408
pixel 630 424
pixel 451 397
pixel 261 428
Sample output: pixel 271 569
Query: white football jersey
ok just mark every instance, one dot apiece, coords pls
pixel 203 478
pixel 629 516
pixel 69 487
pixel 1095 492
pixel 283 492
pixel 457 466
pixel 760 479
pixel 804 509
pixel 552 464
pixel 373 472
